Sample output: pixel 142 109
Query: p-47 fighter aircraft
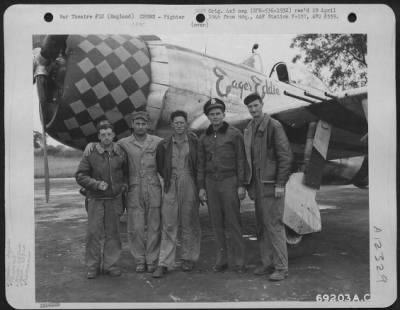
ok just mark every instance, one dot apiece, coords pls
pixel 82 79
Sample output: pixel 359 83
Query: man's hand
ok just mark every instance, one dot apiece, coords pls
pixel 124 190
pixel 202 196
pixel 241 193
pixel 279 191
pixel 102 186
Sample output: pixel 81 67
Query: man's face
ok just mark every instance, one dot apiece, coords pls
pixel 255 108
pixel 216 116
pixel 106 136
pixel 140 127
pixel 179 125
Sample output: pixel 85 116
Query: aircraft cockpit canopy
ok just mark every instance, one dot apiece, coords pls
pixel 296 75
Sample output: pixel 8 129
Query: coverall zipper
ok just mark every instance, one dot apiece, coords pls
pixel 215 143
pixel 109 171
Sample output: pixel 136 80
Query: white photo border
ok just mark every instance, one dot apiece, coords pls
pixel 377 21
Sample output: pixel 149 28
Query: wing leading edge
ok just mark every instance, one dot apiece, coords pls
pixel 347 114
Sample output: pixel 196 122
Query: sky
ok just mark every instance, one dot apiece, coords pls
pixel 233 48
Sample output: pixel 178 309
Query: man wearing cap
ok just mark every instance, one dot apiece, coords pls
pixel 220 174
pixel 102 172
pixel 269 161
pixel 144 194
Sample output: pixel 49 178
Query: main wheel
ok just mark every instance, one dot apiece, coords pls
pixel 292 238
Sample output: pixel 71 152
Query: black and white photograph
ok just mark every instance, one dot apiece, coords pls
pixel 180 159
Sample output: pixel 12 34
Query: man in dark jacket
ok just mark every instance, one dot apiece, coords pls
pixel 176 163
pixel 102 173
pixel 220 174
pixel 269 161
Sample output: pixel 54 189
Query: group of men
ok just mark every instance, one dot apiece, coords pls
pixel 215 170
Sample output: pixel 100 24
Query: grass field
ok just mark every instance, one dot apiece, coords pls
pixel 59 166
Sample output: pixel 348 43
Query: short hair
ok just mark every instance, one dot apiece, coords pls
pixel 104 124
pixel 178 113
pixel 251 98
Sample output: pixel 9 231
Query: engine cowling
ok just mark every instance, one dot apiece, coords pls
pixel 94 77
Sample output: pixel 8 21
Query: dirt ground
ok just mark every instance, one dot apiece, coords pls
pixel 333 261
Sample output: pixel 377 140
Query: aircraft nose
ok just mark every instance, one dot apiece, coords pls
pixel 109 70
pixel 107 76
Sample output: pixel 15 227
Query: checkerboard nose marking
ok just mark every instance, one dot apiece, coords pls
pixel 108 77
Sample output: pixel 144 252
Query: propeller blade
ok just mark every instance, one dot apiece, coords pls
pixel 41 87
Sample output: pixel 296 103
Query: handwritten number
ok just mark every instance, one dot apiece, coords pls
pixel 383 279
pixel 378 244
pixel 380 267
pixel 380 257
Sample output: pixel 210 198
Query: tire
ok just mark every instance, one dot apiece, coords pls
pixel 292 238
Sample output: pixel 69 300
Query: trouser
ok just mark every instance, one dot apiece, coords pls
pixel 180 207
pixel 224 212
pixel 270 229
pixel 144 230
pixel 103 220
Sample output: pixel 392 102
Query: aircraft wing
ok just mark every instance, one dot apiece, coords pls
pixel 346 112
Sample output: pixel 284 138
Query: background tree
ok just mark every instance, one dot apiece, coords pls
pixel 339 60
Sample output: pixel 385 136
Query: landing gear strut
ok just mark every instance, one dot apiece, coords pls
pixel 301 215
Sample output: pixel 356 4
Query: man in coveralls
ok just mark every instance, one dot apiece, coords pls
pixel 101 173
pixel 144 194
pixel 221 172
pixel 176 162
pixel 269 160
